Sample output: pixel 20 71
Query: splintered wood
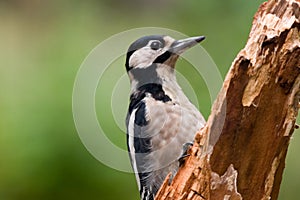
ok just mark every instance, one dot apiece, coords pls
pixel 240 153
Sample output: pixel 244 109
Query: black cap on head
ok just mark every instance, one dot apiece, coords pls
pixel 140 43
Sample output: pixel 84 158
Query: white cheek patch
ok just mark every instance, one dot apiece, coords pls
pixel 142 58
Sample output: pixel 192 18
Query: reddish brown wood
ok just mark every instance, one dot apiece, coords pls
pixel 240 153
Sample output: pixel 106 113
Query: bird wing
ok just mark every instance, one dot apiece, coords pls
pixel 139 145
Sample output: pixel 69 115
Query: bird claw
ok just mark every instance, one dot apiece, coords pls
pixel 185 148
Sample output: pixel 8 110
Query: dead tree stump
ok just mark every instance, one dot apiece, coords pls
pixel 240 153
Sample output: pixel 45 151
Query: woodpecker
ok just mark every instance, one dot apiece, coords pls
pixel 161 120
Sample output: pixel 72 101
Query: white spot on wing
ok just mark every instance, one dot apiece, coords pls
pixel 131 146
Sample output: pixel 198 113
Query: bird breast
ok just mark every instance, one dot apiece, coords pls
pixel 170 125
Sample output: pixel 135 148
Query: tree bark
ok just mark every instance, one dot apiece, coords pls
pixel 240 153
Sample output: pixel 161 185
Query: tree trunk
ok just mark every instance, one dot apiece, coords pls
pixel 240 153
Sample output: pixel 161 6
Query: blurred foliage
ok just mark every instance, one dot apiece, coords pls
pixel 43 44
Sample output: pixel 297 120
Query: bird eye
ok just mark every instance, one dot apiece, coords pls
pixel 156 45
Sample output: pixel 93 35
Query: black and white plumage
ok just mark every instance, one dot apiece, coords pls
pixel 160 117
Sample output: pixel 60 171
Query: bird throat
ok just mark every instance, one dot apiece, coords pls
pixel 145 76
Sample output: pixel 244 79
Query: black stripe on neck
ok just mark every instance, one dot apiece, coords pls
pixel 146 75
pixel 154 89
pixel 163 57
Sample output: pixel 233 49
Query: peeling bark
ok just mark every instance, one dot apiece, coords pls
pixel 240 153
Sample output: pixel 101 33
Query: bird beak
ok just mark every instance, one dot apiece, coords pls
pixel 180 46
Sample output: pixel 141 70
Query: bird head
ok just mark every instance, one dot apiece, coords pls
pixel 152 59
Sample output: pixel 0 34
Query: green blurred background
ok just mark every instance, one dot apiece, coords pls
pixel 43 44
